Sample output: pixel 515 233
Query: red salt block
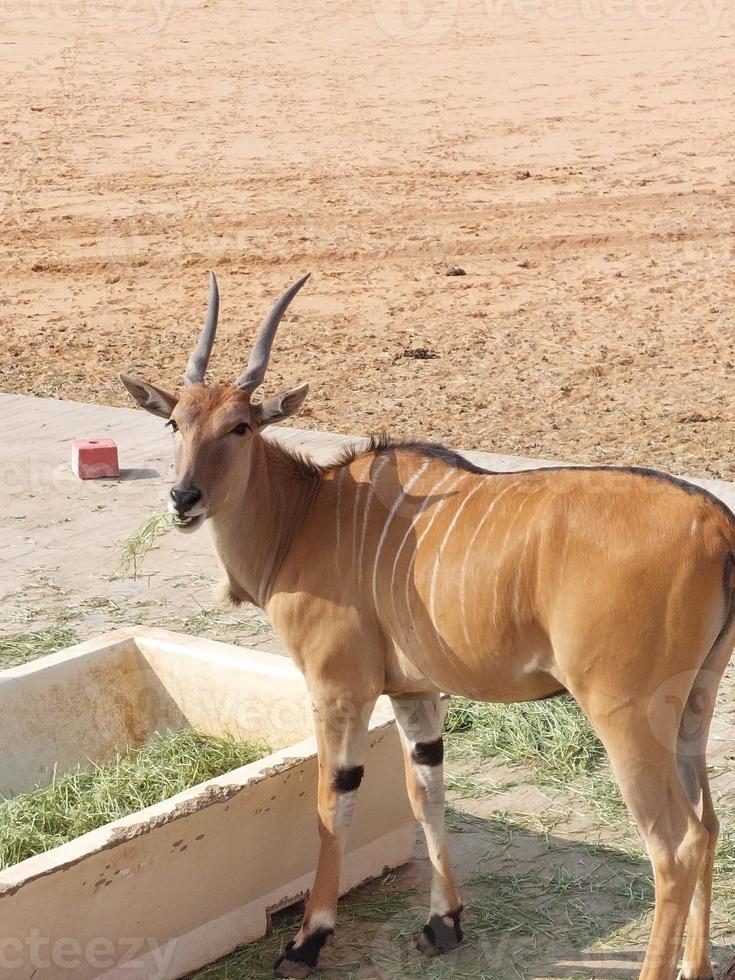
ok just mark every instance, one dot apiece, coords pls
pixel 93 458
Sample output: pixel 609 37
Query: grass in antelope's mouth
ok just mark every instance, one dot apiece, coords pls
pixel 187 523
pixel 135 547
pixel 89 797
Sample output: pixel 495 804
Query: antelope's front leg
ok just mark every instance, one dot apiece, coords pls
pixel 420 719
pixel 341 730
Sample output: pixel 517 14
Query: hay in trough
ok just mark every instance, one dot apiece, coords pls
pixel 91 796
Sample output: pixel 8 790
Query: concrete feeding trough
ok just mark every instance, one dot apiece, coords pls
pixel 170 888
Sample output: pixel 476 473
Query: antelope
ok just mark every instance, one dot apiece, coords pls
pixel 403 569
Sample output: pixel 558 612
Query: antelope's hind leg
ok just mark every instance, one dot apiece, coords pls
pixel 697 964
pixel 692 758
pixel 420 720
pixel 341 730
pixel 646 767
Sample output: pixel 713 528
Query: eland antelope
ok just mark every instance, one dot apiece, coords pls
pixel 404 569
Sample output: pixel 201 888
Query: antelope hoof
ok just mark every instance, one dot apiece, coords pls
pixel 299 960
pixel 284 967
pixel 689 972
pixel 442 934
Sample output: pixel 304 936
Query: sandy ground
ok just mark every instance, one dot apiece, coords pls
pixel 575 157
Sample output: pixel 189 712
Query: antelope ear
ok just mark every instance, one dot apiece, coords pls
pixel 152 399
pixel 279 407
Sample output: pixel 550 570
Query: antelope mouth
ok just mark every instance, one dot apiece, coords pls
pixel 188 524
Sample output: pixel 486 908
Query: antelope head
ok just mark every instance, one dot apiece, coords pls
pixel 214 428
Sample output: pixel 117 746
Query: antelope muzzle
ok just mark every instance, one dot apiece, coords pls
pixel 186 506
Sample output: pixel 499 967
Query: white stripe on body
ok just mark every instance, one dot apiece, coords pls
pixel 389 520
pixel 463 573
pixel 519 574
pixel 419 541
pixel 422 508
pixel 379 464
pixel 358 490
pixel 511 524
pixel 338 536
pixel 442 546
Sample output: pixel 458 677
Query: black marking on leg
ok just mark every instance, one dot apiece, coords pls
pixel 347 779
pixel 306 954
pixel 429 753
pixel 441 934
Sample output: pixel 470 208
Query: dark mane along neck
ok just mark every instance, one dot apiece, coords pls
pixel 382 443
pixel 292 465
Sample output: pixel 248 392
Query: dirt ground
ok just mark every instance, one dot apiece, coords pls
pixel 574 157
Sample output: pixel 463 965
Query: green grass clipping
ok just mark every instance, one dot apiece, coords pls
pixel 92 796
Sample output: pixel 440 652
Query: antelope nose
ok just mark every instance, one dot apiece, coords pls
pixel 184 500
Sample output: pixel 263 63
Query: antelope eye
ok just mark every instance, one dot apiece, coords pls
pixel 240 429
pixel 171 424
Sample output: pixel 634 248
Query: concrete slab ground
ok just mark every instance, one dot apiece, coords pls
pixel 62 536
